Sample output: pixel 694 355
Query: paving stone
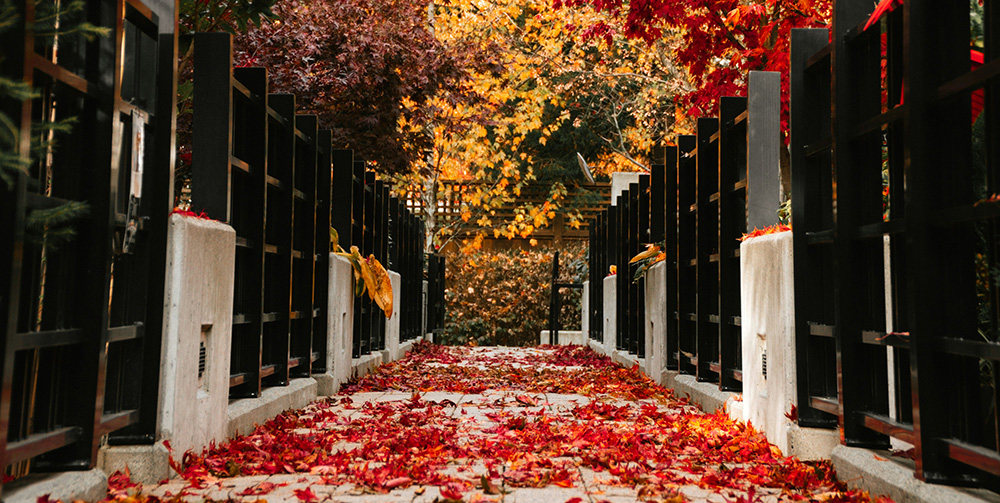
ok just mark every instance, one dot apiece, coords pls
pixel 474 418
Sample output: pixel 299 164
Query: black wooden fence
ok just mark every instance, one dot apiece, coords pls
pixel 555 299
pixel 435 313
pixel 274 176
pixel 618 234
pixel 708 218
pixel 256 166
pixel 895 234
pixel 597 268
pixel 81 321
pixel 699 211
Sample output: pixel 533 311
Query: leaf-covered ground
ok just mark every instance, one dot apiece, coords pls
pixel 552 424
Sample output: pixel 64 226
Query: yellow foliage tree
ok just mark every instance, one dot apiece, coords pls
pixel 531 78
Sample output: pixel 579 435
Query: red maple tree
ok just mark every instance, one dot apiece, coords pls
pixel 724 39
pixel 352 62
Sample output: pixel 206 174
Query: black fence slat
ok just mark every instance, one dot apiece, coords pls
pixel 707 246
pixel 812 215
pixel 733 215
pixel 321 250
pixel 687 262
pixel 670 249
pixel 247 216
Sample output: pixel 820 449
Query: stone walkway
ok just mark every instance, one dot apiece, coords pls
pixel 544 424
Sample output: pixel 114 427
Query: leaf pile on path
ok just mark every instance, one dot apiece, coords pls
pixel 621 427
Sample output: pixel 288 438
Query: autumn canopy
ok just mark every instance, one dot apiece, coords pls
pixel 507 93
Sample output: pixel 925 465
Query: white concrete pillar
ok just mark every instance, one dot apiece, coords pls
pixel 197 328
pixel 392 324
pixel 585 311
pixel 340 327
pixel 620 182
pixel 768 325
pixel 656 320
pixel 610 313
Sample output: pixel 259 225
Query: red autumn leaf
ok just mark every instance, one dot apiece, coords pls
pixel 397 482
pixel 654 445
pixel 452 491
pixel 305 495
pixel 264 487
pixel 793 415
pixel 121 480
pixel 488 486
pixel 773 229
pixel 526 400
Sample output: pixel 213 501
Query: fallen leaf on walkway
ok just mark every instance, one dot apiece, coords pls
pixel 397 482
pixel 613 422
pixel 305 495
pixel 452 491
pixel 261 488
pixel 793 415
pixel 526 400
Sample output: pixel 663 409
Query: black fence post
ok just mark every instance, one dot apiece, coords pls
pixel 554 302
pixel 278 240
pixel 360 343
pixel 952 241
pixel 687 299
pixel 707 256
pixel 342 213
pixel 812 228
pixel 670 248
pixel 733 181
pixel 620 244
pixel 212 126
pixel 435 289
pixel 638 345
pixel 249 191
pixel 303 309
pixel 596 274
pixel 321 290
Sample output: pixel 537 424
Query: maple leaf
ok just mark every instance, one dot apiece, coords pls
pixel 526 400
pixel 305 495
pixel 453 491
pixel 793 415
pixel 264 487
pixel 773 229
pixel 323 470
pixel 488 486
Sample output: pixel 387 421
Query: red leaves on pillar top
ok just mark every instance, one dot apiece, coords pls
pixel 773 229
